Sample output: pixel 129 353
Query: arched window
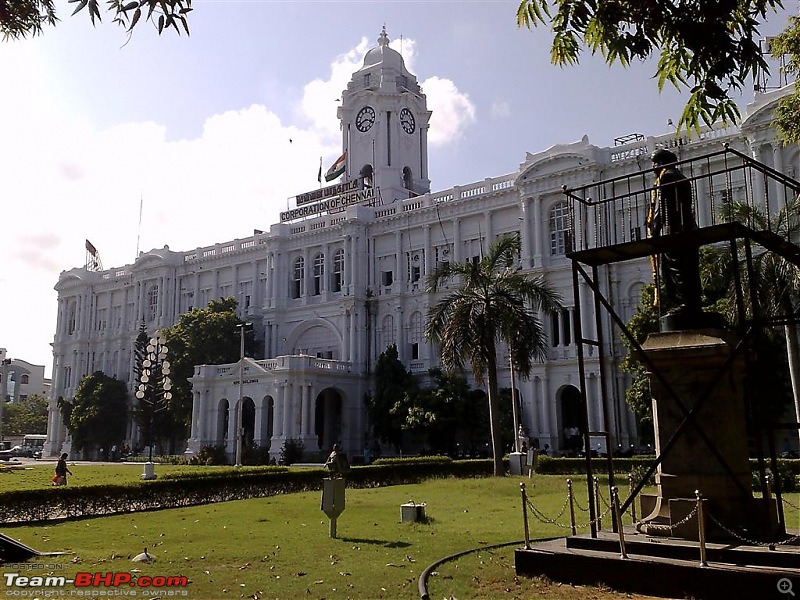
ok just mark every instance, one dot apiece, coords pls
pixel 24 379
pixel 388 336
pixel 71 318
pixel 338 271
pixel 415 334
pixel 366 173
pixel 559 228
pixel 407 178
pixel 298 277
pixel 319 273
pixel 152 302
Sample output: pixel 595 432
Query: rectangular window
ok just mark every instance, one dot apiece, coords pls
pixel 566 324
pixel 416 273
pixel 554 329
pixel 415 351
pixel 387 278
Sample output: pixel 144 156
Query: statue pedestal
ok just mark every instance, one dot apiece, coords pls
pixel 691 364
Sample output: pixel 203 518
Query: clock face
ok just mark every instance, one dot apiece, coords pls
pixel 365 118
pixel 407 121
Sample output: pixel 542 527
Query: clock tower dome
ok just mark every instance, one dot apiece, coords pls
pixel 384 120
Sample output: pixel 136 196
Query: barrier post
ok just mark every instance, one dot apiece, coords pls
pixel 701 524
pixel 633 504
pixel 597 502
pixel 571 507
pixel 525 515
pixel 618 515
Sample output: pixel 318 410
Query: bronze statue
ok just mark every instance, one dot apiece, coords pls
pixel 671 212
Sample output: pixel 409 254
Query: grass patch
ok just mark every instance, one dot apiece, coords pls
pixel 39 475
pixel 278 547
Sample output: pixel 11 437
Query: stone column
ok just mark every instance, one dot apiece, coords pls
pixel 539 233
pixel 259 425
pixel 303 409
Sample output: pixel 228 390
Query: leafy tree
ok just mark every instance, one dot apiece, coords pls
pixel 643 322
pixel 711 48
pixel 26 416
pixel 98 415
pixel 20 18
pixel 202 336
pixel 769 370
pixel 787 116
pixel 775 281
pixel 155 422
pixel 448 415
pixel 495 302
pixel 392 382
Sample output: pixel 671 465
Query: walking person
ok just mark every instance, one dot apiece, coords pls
pixel 61 471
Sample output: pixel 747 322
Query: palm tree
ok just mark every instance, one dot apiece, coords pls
pixel 495 303
pixel 775 280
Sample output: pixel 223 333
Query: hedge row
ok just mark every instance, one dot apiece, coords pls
pixel 577 466
pixel 191 489
pixel 60 503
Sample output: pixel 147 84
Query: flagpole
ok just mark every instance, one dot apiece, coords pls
pixel 139 230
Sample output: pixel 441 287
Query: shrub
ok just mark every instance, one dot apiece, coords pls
pixel 292 451
pixel 788 480
pixel 418 460
pixel 256 455
pixel 212 455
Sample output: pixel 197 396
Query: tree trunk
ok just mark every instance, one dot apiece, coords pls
pixel 793 356
pixel 494 417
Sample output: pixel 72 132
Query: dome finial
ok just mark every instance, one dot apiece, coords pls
pixel 383 39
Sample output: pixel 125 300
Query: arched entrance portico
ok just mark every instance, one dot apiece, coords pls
pixel 570 417
pixel 328 418
pixel 222 420
pixel 248 421
pixel 264 422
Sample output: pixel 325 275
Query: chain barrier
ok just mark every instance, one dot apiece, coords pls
pixel 672 526
pixel 785 501
pixel 748 541
pixel 578 505
pixel 605 503
pixel 545 519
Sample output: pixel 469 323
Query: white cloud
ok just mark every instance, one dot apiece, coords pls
pixel 500 110
pixel 453 111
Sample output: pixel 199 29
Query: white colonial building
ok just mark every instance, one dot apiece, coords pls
pixel 341 278
pixel 20 379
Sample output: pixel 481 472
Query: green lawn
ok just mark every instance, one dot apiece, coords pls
pixel 37 475
pixel 279 547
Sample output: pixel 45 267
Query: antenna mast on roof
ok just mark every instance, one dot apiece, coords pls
pixel 139 230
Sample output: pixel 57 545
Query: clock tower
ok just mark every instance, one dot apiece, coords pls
pixel 384 120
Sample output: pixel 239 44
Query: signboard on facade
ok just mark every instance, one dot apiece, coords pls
pixel 328 192
pixel 331 204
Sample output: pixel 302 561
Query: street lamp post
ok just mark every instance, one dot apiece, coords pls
pixel 514 398
pixel 239 419
pixel 3 387
pixel 154 390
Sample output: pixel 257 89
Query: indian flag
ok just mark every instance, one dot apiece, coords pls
pixel 337 168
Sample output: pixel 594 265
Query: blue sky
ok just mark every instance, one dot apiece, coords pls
pixel 198 128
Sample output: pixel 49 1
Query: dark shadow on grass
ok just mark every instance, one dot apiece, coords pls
pixel 384 543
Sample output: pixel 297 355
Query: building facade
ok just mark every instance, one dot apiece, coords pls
pixel 20 379
pixel 341 277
